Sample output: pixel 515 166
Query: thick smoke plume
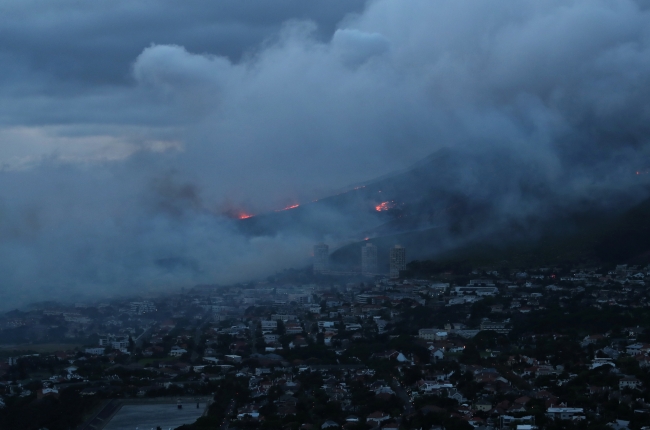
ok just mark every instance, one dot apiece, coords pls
pixel 119 161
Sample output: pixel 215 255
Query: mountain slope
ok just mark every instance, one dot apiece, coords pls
pixel 578 239
pixel 481 207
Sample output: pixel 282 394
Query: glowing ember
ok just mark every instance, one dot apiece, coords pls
pixel 385 206
pixel 244 215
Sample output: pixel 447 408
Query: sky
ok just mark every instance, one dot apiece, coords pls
pixel 127 128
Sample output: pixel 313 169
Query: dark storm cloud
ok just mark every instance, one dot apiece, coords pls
pixel 127 127
pixel 94 42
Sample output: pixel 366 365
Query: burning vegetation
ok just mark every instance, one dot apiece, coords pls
pixel 384 206
pixel 234 212
pixel 288 207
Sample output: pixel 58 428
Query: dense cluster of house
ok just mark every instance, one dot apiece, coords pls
pixel 487 349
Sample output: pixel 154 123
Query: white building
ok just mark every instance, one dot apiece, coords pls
pixel 499 327
pixel 432 334
pixel 479 291
pixel 269 325
pixel 364 299
pixel 565 413
pixel 143 307
pixel 120 343
pixel 326 324
pixel 427 333
pixel 299 298
pixel 314 309
pixel 637 348
pixel 268 338
pixel 597 362
pixel 381 325
pixel 177 351
pixel 525 423
pixel 292 328
pixel 283 317
pixel 629 382
pixel 438 288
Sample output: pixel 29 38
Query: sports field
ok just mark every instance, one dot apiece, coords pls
pixel 145 417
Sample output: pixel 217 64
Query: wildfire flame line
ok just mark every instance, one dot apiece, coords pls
pixel 287 208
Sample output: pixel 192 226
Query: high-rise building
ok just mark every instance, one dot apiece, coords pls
pixel 368 259
pixel 397 260
pixel 321 258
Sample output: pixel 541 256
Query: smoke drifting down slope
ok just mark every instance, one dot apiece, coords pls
pixel 541 106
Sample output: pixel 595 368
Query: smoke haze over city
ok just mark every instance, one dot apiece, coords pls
pixel 133 135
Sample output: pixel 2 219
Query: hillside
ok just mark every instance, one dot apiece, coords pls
pixel 591 239
pixel 484 208
pixel 448 187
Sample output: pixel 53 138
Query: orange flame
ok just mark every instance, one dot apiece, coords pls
pixel 288 207
pixel 385 206
pixel 244 215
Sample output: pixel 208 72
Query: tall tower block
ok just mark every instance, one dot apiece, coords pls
pixel 368 259
pixel 321 258
pixel 397 261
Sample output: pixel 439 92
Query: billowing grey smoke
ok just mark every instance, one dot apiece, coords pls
pixel 115 172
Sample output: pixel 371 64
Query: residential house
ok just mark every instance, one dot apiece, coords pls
pixel 564 413
pixel 629 382
pixel 377 417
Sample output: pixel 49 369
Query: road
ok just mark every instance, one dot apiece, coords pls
pixel 197 339
pixel 110 407
pixel 403 395
pixel 229 411
pixel 102 416
pixel 252 327
pixel 198 332
pixel 138 340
